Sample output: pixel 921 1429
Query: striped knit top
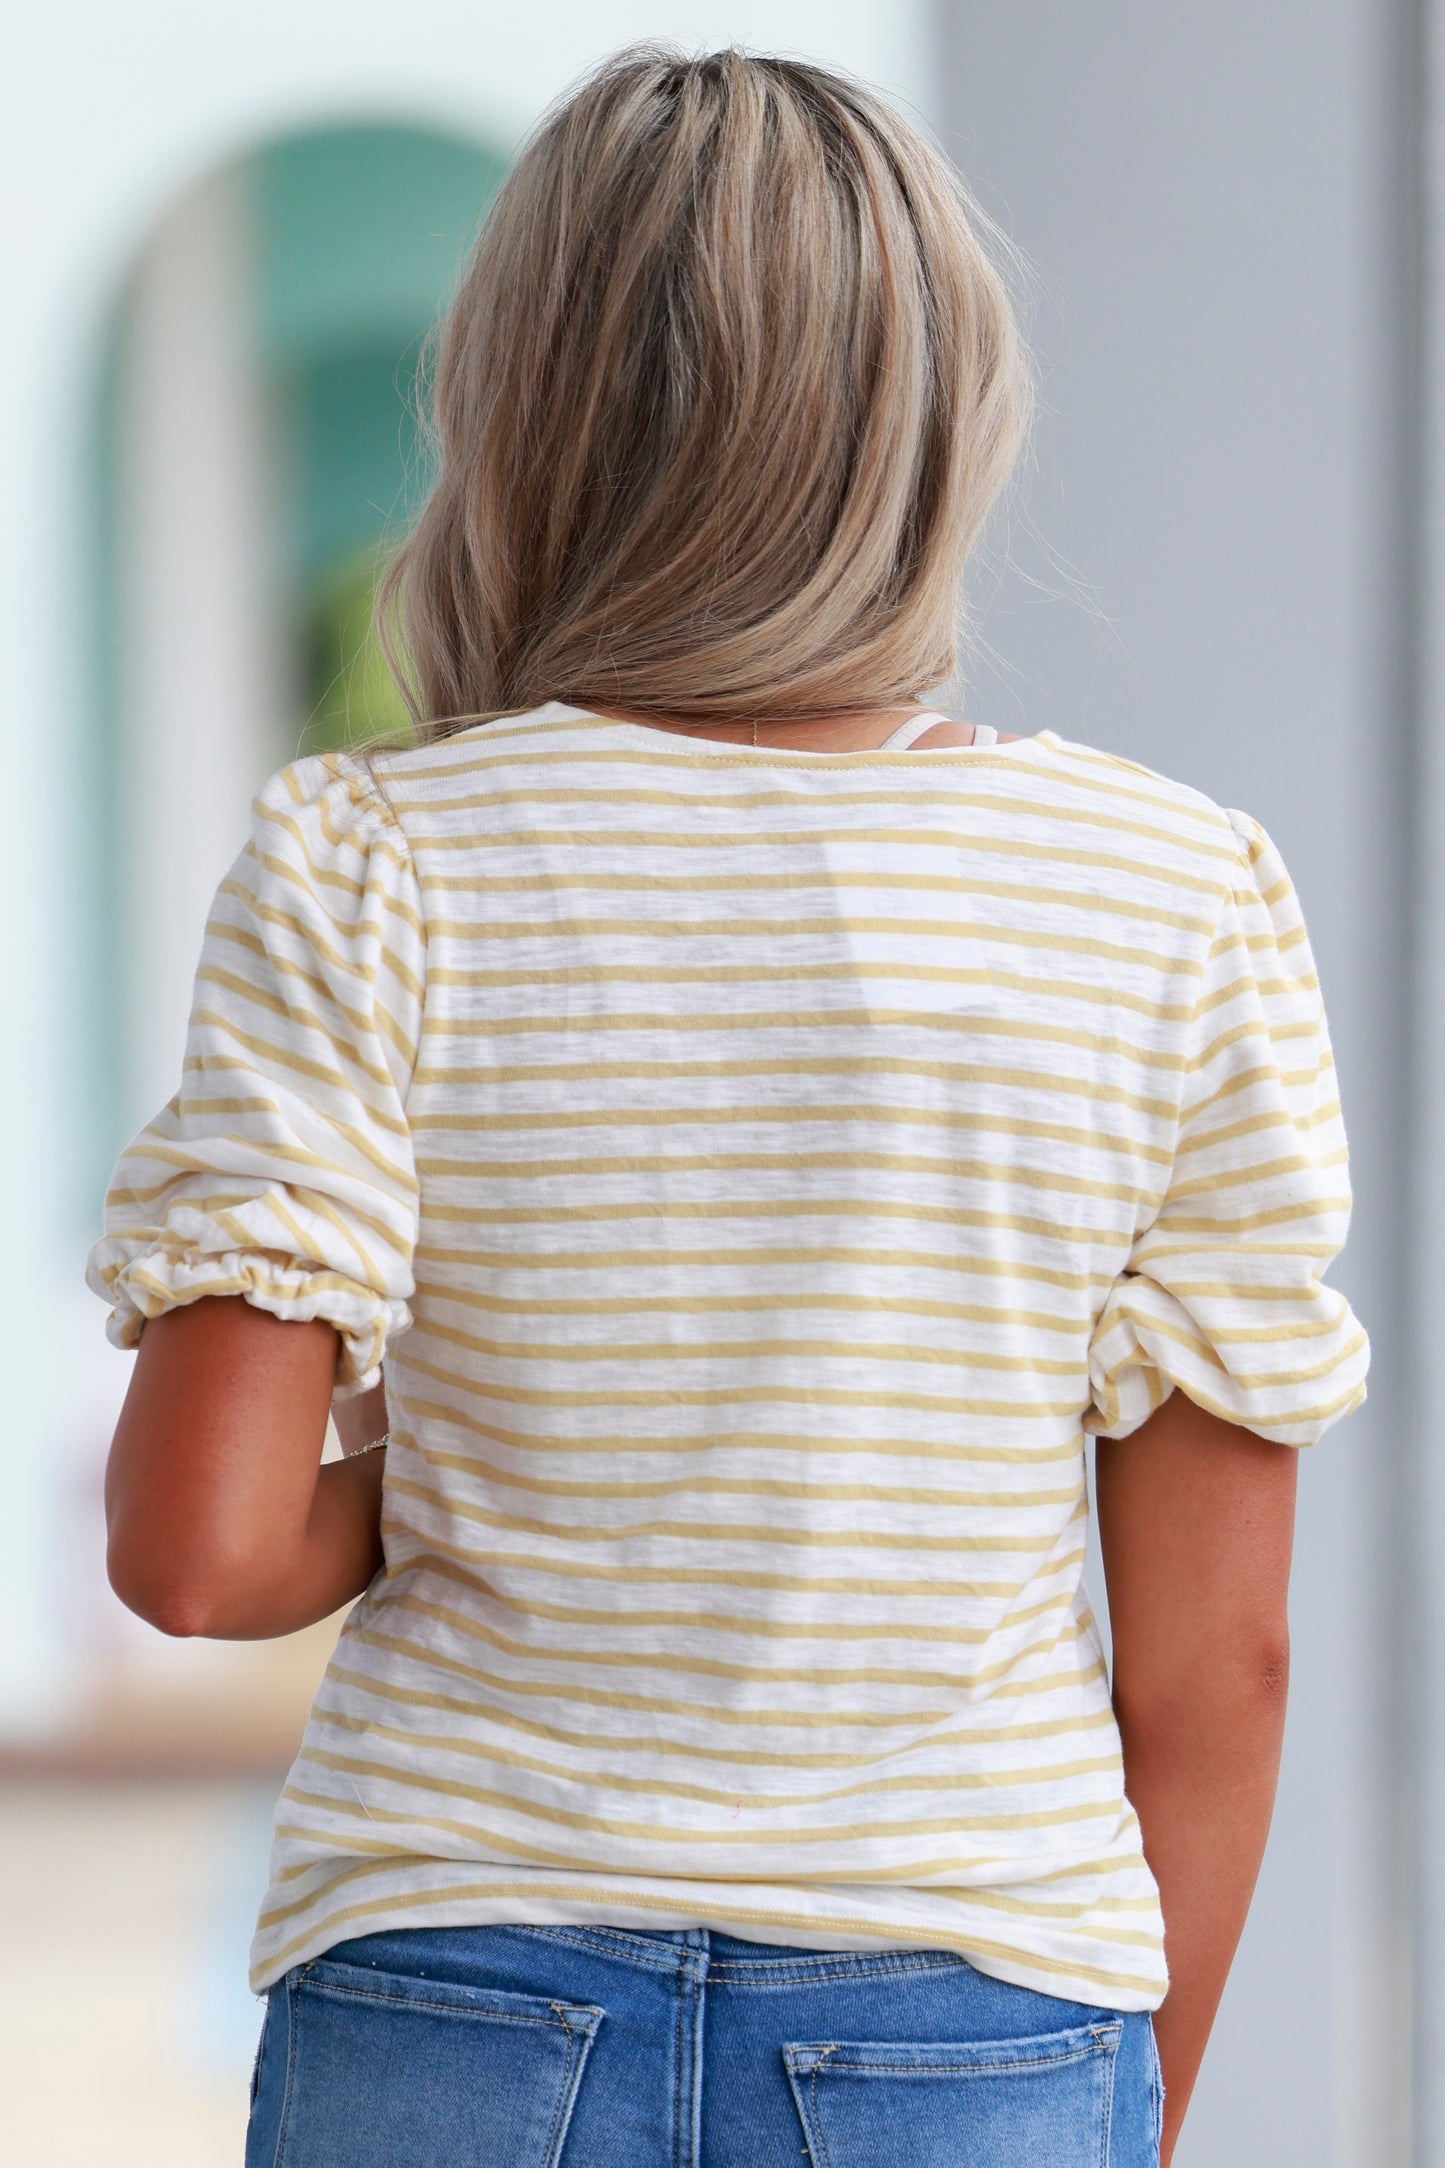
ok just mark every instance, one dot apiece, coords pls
pixel 759 1170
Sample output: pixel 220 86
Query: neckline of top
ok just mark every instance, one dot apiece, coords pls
pixel 730 748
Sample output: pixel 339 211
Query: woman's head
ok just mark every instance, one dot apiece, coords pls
pixel 720 406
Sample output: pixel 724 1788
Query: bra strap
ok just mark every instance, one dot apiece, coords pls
pixel 907 732
pixel 917 725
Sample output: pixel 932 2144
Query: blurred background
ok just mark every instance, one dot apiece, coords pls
pixel 226 234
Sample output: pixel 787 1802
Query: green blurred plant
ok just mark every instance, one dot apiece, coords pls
pixel 350 695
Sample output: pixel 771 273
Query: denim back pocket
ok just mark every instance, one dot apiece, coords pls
pixel 389 2071
pixel 1036 2103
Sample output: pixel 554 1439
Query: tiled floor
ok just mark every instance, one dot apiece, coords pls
pixel 126 2028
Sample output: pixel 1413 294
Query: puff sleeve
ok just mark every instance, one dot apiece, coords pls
pixel 282 1170
pixel 1223 1293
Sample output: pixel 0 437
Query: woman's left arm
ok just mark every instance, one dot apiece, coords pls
pixel 1196 1523
pixel 221 1519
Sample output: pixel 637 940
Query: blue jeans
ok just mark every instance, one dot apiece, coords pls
pixel 598 2047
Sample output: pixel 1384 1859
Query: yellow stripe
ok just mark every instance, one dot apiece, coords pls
pixel 784 1113
pixel 755 1347
pixel 1120 1191
pixel 654 1661
pixel 1300 1209
pixel 1193 881
pixel 475 1710
pixel 758 1302
pixel 448 1562
pixel 798 879
pixel 866 1832
pixel 716 1486
pixel 184 1155
pixel 757 1392
pixel 282 1057
pixel 460 1744
pixel 1067 1681
pixel 605 1070
pixel 712 1531
pixel 307 874
pixel 442 1213
pixel 1251 1381
pixel 821 972
pixel 718 807
pixel 377 1018
pixel 875 1586
pixel 842 926
pixel 370 932
pixel 716 1440
pixel 812 1254
pixel 713 1021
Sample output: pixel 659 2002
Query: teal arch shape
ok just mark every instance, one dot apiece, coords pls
pixel 359 235
pixel 360 228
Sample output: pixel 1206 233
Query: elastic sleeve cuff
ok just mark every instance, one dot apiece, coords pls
pixel 141 1284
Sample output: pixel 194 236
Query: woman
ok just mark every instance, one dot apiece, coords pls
pixel 761 1128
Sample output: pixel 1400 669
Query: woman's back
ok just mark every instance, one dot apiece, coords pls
pixel 782 1158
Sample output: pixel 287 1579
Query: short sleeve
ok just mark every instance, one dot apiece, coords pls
pixel 282 1170
pixel 1223 1294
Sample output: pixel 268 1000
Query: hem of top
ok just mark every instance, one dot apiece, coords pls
pixel 562 712
pixel 1042 1974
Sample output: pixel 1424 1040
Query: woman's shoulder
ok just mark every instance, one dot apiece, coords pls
pixel 339 788
pixel 325 825
pixel 438 770
pixel 1140 796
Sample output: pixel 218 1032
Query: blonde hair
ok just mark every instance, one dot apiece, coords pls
pixel 727 390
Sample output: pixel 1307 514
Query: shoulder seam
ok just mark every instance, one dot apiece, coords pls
pixel 364 794
pixel 363 788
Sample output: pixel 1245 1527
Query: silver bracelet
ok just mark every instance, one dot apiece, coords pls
pixel 375 1446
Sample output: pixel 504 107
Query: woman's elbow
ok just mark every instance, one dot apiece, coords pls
pixel 184 1597
pixel 1253 1664
pixel 1240 1670
pixel 1272 1664
pixel 170 1602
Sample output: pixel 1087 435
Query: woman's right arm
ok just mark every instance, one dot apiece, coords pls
pixel 1196 1522
pixel 221 1519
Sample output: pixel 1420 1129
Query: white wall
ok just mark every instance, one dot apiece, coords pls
pixel 1210 195
pixel 204 697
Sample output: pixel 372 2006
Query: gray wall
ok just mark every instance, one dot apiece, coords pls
pixel 1211 570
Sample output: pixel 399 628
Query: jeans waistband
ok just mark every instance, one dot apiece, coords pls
pixel 714 1953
